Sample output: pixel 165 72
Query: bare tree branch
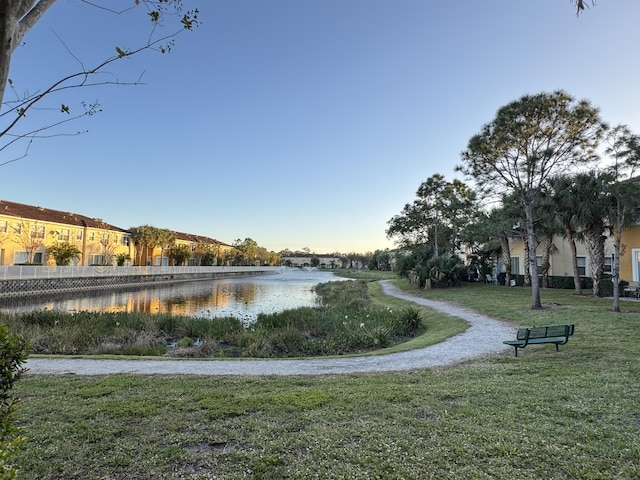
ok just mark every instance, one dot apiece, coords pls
pixel 21 106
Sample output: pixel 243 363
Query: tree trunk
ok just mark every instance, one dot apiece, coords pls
pixel 8 28
pixel 533 267
pixel 577 285
pixel 506 258
pixel 527 266
pixel 595 247
pixel 435 239
pixel 547 243
pixel 16 19
pixel 615 268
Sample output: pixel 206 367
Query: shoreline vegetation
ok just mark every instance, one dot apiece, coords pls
pixel 571 414
pixel 350 319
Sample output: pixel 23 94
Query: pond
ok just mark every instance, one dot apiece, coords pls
pixel 243 298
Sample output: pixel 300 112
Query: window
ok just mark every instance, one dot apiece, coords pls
pixel 37 231
pixel 79 234
pixel 96 259
pixel 115 239
pixel 539 264
pixel 104 238
pixel 515 265
pixel 92 236
pixel 125 240
pixel 20 257
pixel 23 257
pixel 64 235
pixel 4 226
pixel 582 266
pixel 17 228
pixel 608 265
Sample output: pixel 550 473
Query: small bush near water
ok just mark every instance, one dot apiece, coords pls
pixel 346 322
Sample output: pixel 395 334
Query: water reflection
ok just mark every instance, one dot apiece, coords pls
pixel 244 298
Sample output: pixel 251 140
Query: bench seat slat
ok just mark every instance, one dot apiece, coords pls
pixel 560 340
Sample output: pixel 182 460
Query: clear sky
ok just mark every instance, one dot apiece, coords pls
pixel 302 123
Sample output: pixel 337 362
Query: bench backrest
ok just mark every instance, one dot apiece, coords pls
pixel 545 332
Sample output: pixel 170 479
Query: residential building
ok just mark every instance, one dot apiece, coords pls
pixel 26 231
pixel 630 257
pixel 560 261
pixel 306 260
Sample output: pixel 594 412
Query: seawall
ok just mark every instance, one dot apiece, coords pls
pixel 53 281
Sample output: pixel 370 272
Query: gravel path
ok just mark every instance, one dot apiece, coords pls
pixel 484 337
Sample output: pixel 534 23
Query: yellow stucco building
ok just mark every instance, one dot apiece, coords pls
pixel 560 262
pixel 26 232
pixel 630 257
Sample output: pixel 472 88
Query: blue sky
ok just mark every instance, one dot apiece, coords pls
pixel 302 123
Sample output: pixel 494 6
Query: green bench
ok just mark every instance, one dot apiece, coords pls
pixel 558 334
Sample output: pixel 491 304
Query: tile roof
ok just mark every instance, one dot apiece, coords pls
pixel 190 237
pixel 29 212
pixel 41 214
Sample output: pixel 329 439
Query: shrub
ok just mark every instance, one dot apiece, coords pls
pixel 63 252
pixel 13 354
pixel 122 258
pixel 408 323
pixel 434 272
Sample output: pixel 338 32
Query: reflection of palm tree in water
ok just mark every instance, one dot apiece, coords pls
pixel 247 293
pixel 241 298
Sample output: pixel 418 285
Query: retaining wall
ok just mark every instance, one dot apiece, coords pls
pixel 52 286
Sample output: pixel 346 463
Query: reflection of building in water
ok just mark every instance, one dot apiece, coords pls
pixel 145 301
pixel 244 298
pixel 225 294
pixel 182 299
pixel 110 303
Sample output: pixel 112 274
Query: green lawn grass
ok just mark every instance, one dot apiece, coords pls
pixel 574 414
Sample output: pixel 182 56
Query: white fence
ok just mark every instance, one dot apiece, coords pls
pixel 30 272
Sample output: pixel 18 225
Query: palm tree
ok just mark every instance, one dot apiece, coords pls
pixel 63 253
pixel 141 237
pixel 494 229
pixel 593 203
pixel 180 254
pixel 582 4
pixel 547 227
pixel 164 239
pixel 566 206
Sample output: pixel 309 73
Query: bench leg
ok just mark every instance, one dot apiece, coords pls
pixel 516 350
pixel 557 347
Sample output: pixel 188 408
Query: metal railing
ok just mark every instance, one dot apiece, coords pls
pixel 31 272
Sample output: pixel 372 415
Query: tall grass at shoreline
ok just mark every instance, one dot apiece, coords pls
pixel 568 415
pixel 348 321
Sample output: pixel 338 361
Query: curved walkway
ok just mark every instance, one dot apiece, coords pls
pixel 483 337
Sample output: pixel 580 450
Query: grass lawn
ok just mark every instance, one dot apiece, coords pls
pixel 574 414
